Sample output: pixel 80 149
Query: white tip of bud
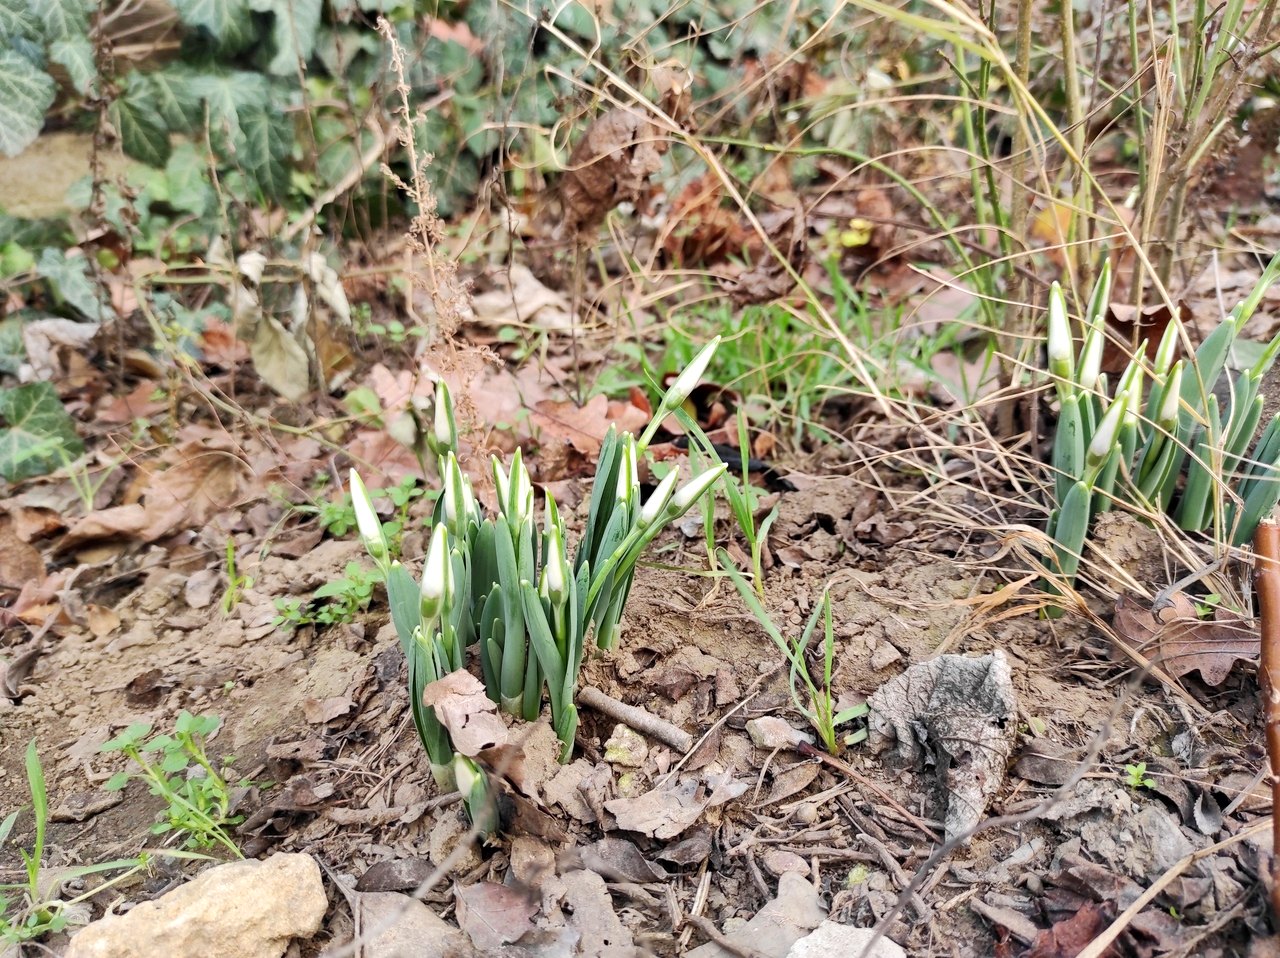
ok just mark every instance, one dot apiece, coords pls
pixel 556 571
pixel 1060 347
pixel 367 522
pixel 435 573
pixel 1104 440
pixel 444 428
pixel 693 490
pixel 521 490
pixel 1091 357
pixel 659 498
pixel 688 380
pixel 1168 346
pixel 1169 401
pixel 628 474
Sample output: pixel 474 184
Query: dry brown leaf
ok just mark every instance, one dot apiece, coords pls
pixel 101 620
pixel 1067 938
pixel 699 229
pixel 770 279
pixel 20 562
pixel 584 427
pixel 1179 641
pixel 494 915
pixel 516 297
pixel 139 404
pixel 611 164
pixel 469 715
pixel 1126 325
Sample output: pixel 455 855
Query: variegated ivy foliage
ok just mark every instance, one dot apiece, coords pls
pixel 1183 445
pixel 505 582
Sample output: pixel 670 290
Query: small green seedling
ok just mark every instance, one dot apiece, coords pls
pixel 236 583
pixel 744 498
pixel 1136 776
pixel 33 915
pixel 346 597
pixel 178 769
pixel 820 706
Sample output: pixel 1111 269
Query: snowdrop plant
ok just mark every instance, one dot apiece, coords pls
pixel 1181 445
pixel 506 582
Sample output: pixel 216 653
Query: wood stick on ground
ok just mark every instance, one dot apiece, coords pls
pixel 1266 546
pixel 646 723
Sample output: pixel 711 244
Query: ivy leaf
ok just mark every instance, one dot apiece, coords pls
pixel 76 54
pixel 295 24
pixel 226 21
pixel 226 94
pixel 63 19
pixel 137 119
pixel 26 92
pixel 18 20
pixel 71 282
pixel 268 140
pixel 174 98
pixel 39 435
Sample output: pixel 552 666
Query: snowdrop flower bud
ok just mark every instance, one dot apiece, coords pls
pixel 1061 348
pixel 1104 440
pixel 367 522
pixel 435 574
pixel 444 437
pixel 556 571
pixel 1091 357
pixel 1167 415
pixel 521 490
pixel 628 480
pixel 693 490
pixel 501 483
pixel 658 499
pixel 688 380
pixel 1168 346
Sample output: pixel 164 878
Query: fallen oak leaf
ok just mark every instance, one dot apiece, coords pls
pixel 466 711
pixel 1180 641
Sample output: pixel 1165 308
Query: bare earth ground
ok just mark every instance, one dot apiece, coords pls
pixel 319 721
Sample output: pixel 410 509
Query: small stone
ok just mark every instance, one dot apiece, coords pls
pixel 626 747
pixel 448 831
pixel 831 938
pixel 778 863
pixel 807 813
pixel 770 732
pixel 251 909
pixel 884 656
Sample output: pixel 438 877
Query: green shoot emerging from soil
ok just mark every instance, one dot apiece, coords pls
pixel 34 914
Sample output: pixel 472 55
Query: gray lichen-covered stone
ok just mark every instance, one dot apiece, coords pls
pixel 249 909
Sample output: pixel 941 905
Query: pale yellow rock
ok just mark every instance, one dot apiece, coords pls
pixel 248 909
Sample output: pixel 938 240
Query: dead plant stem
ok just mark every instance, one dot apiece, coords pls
pixel 1266 544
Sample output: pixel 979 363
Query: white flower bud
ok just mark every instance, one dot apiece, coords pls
pixel 688 380
pixel 444 429
pixel 1169 400
pixel 435 573
pixel 1061 348
pixel 367 522
pixel 658 499
pixel 693 490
